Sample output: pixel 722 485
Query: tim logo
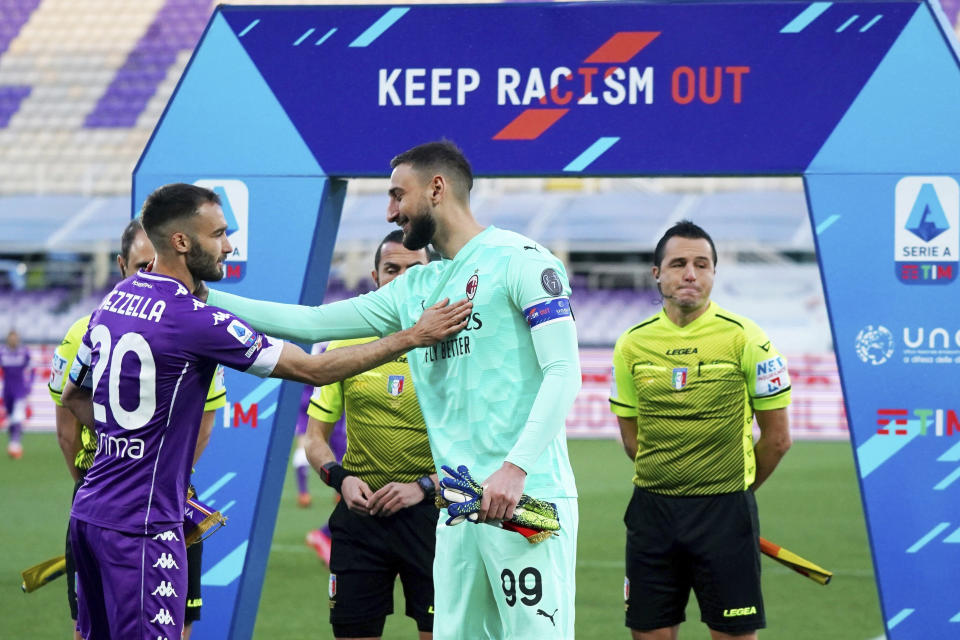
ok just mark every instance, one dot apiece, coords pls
pixel 927 231
pixel 235 202
pixel 395 385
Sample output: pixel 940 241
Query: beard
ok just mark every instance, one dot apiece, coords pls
pixel 202 265
pixel 422 228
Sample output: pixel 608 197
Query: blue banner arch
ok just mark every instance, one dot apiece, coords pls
pixel 280 104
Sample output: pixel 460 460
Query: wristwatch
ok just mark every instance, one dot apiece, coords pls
pixel 426 484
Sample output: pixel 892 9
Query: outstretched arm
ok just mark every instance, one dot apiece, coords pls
pixel 436 323
pixel 297 322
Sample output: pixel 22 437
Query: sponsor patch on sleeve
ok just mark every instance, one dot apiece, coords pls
pixel 551 283
pixel 58 370
pixel 242 333
pixel 548 311
pixel 772 377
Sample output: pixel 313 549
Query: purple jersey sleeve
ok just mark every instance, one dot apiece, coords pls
pixel 148 357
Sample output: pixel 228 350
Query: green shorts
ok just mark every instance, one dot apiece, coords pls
pixel 493 584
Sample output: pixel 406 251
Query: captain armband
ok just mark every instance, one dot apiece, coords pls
pixel 548 312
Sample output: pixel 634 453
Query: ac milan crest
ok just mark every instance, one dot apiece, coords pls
pixel 472 286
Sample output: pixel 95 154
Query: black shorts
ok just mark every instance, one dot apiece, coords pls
pixel 194 569
pixel 367 553
pixel 707 543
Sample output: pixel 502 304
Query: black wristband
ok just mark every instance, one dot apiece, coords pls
pixel 333 475
pixel 427 486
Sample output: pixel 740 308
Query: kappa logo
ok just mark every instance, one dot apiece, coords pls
pixel 166 561
pixel 181 290
pixel 167 536
pixel 165 590
pixel 220 316
pixel 163 617
pixel 198 305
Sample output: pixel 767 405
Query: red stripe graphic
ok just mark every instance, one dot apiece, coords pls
pixel 622 46
pixel 530 124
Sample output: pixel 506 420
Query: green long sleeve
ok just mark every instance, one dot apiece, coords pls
pixel 336 321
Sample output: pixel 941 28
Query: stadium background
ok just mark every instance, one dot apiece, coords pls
pixel 82 84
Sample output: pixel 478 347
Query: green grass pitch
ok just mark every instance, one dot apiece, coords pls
pixel 810 505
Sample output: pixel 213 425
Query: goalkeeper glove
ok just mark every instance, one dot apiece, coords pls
pixel 460 494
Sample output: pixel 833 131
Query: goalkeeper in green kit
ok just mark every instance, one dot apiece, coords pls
pixel 494 399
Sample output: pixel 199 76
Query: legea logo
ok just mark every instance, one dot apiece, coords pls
pixel 235 201
pixel 927 231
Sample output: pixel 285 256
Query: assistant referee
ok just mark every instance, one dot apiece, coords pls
pixel 385 525
pixel 688 383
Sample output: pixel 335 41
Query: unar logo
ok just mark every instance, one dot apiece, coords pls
pixel 874 345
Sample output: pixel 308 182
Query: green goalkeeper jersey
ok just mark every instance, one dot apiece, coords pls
pixel 477 389
pixel 386 436
pixel 693 391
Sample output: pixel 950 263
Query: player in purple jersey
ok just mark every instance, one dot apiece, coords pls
pixel 17 377
pixel 141 375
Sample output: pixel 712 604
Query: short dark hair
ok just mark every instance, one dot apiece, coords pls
pixel 129 234
pixel 683 229
pixel 442 155
pixel 172 202
pixel 394 236
pixel 397 237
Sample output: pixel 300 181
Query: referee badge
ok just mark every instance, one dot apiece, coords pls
pixel 679 378
pixel 395 385
pixel 332 587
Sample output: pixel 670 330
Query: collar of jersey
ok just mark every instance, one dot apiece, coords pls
pixel 472 244
pixel 711 308
pixel 156 276
pixel 465 252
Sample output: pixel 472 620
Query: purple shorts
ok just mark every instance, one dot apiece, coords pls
pixel 129 586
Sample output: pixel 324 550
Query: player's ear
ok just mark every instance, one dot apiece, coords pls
pixel 655 270
pixel 180 242
pixel 375 277
pixel 121 265
pixel 437 187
